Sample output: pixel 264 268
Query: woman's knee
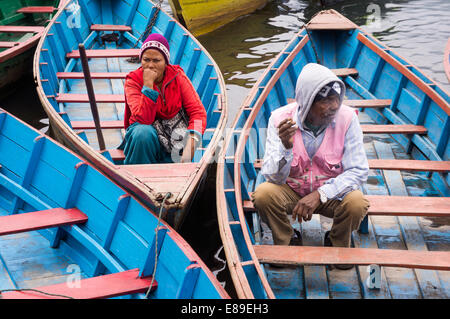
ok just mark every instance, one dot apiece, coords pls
pixel 144 133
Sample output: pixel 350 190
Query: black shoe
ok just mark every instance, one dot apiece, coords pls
pixel 327 243
pixel 296 239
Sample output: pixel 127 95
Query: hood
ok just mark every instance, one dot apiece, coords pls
pixel 311 80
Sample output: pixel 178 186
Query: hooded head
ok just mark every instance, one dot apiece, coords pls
pixel 314 84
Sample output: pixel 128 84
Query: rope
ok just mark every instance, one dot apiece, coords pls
pixel 156 242
pixel 35 290
pixel 146 31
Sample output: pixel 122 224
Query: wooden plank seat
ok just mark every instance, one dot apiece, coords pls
pixel 110 27
pixel 397 164
pixel 37 9
pixel 398 206
pixel 90 125
pixel 84 98
pixel 20 29
pixel 107 286
pixel 18 223
pixel 393 129
pixel 94 75
pixel 372 103
pixel 345 72
pixel 8 44
pixel 105 53
pixel 116 154
pixel 301 255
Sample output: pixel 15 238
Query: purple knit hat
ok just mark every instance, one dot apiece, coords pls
pixel 158 42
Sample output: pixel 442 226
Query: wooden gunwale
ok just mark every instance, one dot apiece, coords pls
pixel 148 196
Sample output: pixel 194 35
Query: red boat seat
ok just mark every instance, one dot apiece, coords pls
pixel 90 125
pixel 7 44
pixel 23 222
pixel 94 75
pixel 20 29
pixel 36 10
pixel 107 53
pixel 110 27
pixel 345 72
pixel 398 206
pixel 107 286
pixel 301 255
pixel 393 129
pixel 373 103
pixel 84 98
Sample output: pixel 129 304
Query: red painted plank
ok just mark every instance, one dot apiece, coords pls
pixel 410 165
pixel 20 29
pixel 116 155
pixel 83 98
pixel 439 260
pixel 94 75
pixel 110 27
pixel 397 164
pixel 393 129
pixel 41 9
pixel 374 103
pixel 107 286
pixel 17 223
pixel 90 125
pixel 7 44
pixel 109 53
pixel 398 206
pixel 345 71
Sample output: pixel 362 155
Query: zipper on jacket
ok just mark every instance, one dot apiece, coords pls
pixel 162 91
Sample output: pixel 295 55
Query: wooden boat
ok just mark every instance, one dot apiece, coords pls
pixel 21 26
pixel 406 122
pixel 62 91
pixel 201 17
pixel 67 231
pixel 447 60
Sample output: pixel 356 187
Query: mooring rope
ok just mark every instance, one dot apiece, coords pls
pixel 156 242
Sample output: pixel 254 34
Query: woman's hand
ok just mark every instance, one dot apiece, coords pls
pixel 150 77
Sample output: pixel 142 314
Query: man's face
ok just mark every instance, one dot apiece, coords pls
pixel 324 111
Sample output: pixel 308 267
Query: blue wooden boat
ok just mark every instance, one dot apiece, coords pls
pixel 66 230
pixel 405 239
pixel 112 31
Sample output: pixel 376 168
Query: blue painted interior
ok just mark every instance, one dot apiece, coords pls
pixel 117 236
pixel 410 105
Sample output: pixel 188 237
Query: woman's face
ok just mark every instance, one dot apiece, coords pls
pixel 154 60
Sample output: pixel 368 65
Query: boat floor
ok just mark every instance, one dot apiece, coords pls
pixel 385 232
pixel 28 261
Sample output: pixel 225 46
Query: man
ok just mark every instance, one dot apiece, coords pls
pixel 314 161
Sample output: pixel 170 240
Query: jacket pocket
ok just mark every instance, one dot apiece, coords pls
pixel 332 164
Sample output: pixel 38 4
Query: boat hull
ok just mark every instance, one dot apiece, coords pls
pixel 393 98
pixel 205 16
pixel 149 182
pixel 82 236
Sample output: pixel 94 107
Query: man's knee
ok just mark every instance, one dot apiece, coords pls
pixel 264 194
pixel 355 204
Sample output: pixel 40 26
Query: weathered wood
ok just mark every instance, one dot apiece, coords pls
pixel 399 206
pixel 84 98
pixel 20 29
pixel 107 286
pixel 7 44
pixel 18 223
pixel 304 255
pixel 37 9
pixel 393 129
pixel 94 75
pixel 90 125
pixel 110 27
pixel 345 71
pixel 368 103
pixel 112 53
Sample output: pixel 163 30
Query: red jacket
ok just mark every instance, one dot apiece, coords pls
pixel 177 90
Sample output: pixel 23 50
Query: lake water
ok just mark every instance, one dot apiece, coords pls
pixel 416 29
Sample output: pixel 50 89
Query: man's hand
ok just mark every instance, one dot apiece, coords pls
pixel 149 77
pixel 286 132
pixel 306 207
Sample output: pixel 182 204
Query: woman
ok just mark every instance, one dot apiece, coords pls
pixel 156 93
